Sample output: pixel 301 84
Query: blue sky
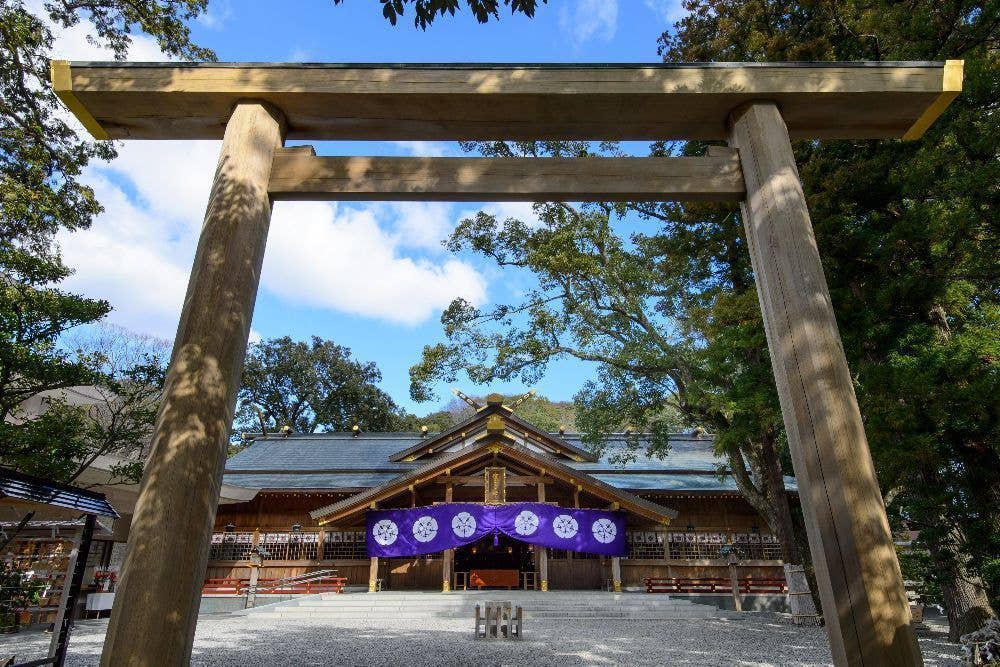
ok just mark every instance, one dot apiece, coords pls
pixel 370 276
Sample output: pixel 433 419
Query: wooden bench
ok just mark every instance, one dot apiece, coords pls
pixel 499 619
pixel 494 579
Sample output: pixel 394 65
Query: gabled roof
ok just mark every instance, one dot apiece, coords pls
pixel 346 462
pixel 477 423
pixel 486 447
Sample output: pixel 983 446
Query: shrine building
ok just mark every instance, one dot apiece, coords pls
pixel 488 502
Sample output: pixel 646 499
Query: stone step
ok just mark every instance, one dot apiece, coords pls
pixel 661 616
pixel 417 605
pixel 555 604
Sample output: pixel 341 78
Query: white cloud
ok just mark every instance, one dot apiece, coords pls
pixel 136 260
pixel 669 11
pixel 218 13
pixel 72 44
pixel 505 210
pixel 426 148
pixel 421 225
pixel 300 55
pixel 326 256
pixel 584 20
pixel 138 252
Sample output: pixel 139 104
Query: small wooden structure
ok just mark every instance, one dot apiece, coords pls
pixel 499 619
pixel 756 107
pixel 31 493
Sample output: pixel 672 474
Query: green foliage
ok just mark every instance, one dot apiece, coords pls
pixel 425 11
pixel 909 238
pixel 917 565
pixel 41 155
pixel 113 412
pixel 41 160
pixel 17 592
pixel 546 414
pixel 437 421
pixel 310 386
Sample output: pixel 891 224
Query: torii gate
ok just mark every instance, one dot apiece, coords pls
pixel 756 107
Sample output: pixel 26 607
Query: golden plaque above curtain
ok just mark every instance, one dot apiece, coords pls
pixel 495 482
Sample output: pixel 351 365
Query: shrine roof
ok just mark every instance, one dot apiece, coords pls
pixel 345 461
pixel 323 480
pixel 679 482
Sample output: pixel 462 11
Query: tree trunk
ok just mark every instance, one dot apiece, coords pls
pixel 965 599
pixel 774 489
pixel 770 499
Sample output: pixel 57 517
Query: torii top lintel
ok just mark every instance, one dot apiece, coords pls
pixel 117 100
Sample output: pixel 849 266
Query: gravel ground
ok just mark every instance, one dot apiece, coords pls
pixel 757 640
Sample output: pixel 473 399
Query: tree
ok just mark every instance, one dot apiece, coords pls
pixel 59 432
pixel 909 237
pixel 425 11
pixel 547 414
pixel 647 310
pixel 311 386
pixel 41 160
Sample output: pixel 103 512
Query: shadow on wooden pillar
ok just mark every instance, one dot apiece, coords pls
pixel 867 616
pixel 156 606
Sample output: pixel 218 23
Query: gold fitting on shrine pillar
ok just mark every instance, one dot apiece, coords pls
pixel 545 585
pixel 445 586
pixel 371 585
pixel 617 586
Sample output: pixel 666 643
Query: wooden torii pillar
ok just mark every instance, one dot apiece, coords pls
pixel 156 606
pixel 859 580
pixel 757 107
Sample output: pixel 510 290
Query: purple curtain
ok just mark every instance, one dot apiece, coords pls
pixel 423 530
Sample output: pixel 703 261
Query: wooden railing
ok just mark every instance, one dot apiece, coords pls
pixel 745 585
pixel 240 586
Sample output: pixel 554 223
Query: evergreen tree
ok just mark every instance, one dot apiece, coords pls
pixel 909 238
pixel 311 386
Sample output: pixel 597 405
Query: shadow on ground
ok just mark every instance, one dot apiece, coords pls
pixel 757 640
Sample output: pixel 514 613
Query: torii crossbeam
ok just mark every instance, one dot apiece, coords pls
pixel 755 107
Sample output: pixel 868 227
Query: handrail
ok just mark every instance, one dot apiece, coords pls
pixel 299 579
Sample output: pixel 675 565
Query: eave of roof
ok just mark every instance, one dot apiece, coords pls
pixel 500 445
pixel 37 490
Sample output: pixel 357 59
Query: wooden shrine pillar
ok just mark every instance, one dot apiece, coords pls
pixel 866 612
pixel 448 560
pixel 156 606
pixel 543 553
pixel 373 574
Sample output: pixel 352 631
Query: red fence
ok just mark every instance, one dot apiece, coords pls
pixel 239 586
pixel 747 585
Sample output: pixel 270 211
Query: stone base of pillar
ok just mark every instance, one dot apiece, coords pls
pixel 800 600
pixel 545 585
